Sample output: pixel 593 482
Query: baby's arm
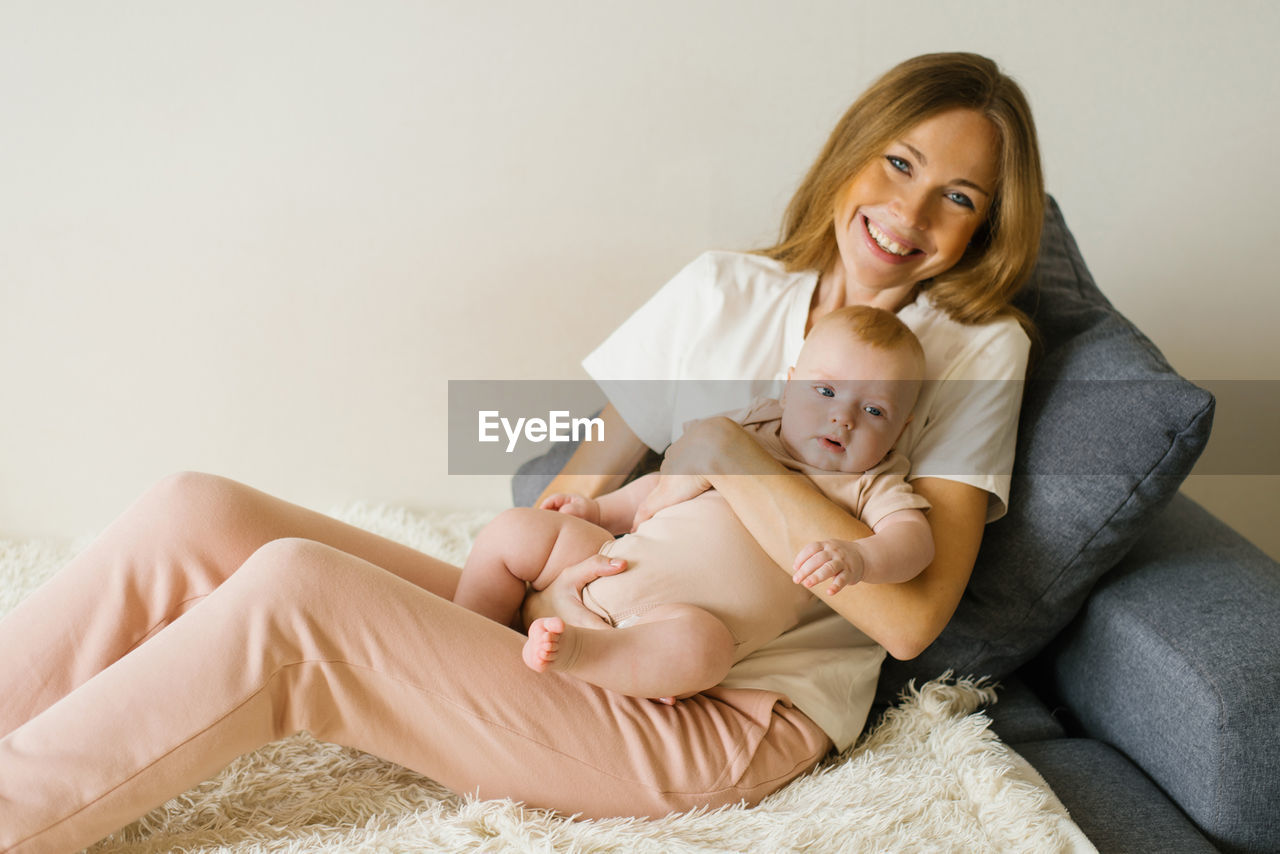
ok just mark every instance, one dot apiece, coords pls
pixel 614 511
pixel 899 548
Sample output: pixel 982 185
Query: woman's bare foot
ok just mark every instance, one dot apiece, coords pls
pixel 551 645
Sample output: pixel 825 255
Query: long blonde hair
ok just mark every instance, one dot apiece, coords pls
pixel 1003 250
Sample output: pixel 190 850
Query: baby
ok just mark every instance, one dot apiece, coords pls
pixel 700 593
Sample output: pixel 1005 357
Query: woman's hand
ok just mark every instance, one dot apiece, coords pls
pixel 563 597
pixel 717 445
pixel 696 449
pixel 712 445
pixel 670 489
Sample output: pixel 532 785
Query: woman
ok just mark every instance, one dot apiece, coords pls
pixel 926 200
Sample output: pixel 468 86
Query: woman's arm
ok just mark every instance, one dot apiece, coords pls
pixel 784 511
pixel 599 467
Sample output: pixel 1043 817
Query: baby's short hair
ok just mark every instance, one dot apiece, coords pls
pixel 874 326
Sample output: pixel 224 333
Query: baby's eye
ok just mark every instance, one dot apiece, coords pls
pixel 898 163
pixel 825 391
pixel 873 410
pixel 961 199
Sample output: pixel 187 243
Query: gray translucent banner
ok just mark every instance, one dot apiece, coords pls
pixel 1069 427
pixel 496 425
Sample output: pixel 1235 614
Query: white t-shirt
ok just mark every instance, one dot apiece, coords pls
pixel 741 317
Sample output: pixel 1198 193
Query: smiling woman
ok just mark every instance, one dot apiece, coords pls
pixel 939 157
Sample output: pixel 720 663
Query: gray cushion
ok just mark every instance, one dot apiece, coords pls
pixel 1108 431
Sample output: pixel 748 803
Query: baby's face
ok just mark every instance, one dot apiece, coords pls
pixel 846 402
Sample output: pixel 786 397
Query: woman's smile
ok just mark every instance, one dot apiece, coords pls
pixel 893 248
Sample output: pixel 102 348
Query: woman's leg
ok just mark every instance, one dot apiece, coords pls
pixel 304 636
pixel 522 546
pixel 168 551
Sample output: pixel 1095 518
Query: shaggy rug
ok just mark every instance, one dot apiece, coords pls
pixel 929 777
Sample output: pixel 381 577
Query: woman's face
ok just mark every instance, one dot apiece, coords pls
pixel 910 213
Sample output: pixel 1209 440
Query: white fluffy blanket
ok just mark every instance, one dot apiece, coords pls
pixel 930 777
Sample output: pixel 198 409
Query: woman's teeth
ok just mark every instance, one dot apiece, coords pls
pixel 885 242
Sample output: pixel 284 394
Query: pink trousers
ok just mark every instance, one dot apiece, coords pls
pixel 211 619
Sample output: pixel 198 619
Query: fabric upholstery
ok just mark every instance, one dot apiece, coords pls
pixel 1018 715
pixel 1176 661
pixel 1115 805
pixel 1108 431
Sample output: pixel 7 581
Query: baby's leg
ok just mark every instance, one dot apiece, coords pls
pixel 671 651
pixel 522 546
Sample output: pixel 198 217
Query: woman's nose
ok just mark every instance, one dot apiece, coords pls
pixel 912 208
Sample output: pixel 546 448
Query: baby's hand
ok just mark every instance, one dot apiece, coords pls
pixel 838 561
pixel 574 505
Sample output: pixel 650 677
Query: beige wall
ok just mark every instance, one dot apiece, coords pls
pixel 259 238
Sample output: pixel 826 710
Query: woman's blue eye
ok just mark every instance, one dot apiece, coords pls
pixel 898 163
pixel 961 199
pixel 873 410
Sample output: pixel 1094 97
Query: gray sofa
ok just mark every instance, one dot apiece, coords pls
pixel 1153 714
pixel 1135 637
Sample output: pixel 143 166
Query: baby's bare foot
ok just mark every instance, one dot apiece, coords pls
pixel 554 644
pixel 543 645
